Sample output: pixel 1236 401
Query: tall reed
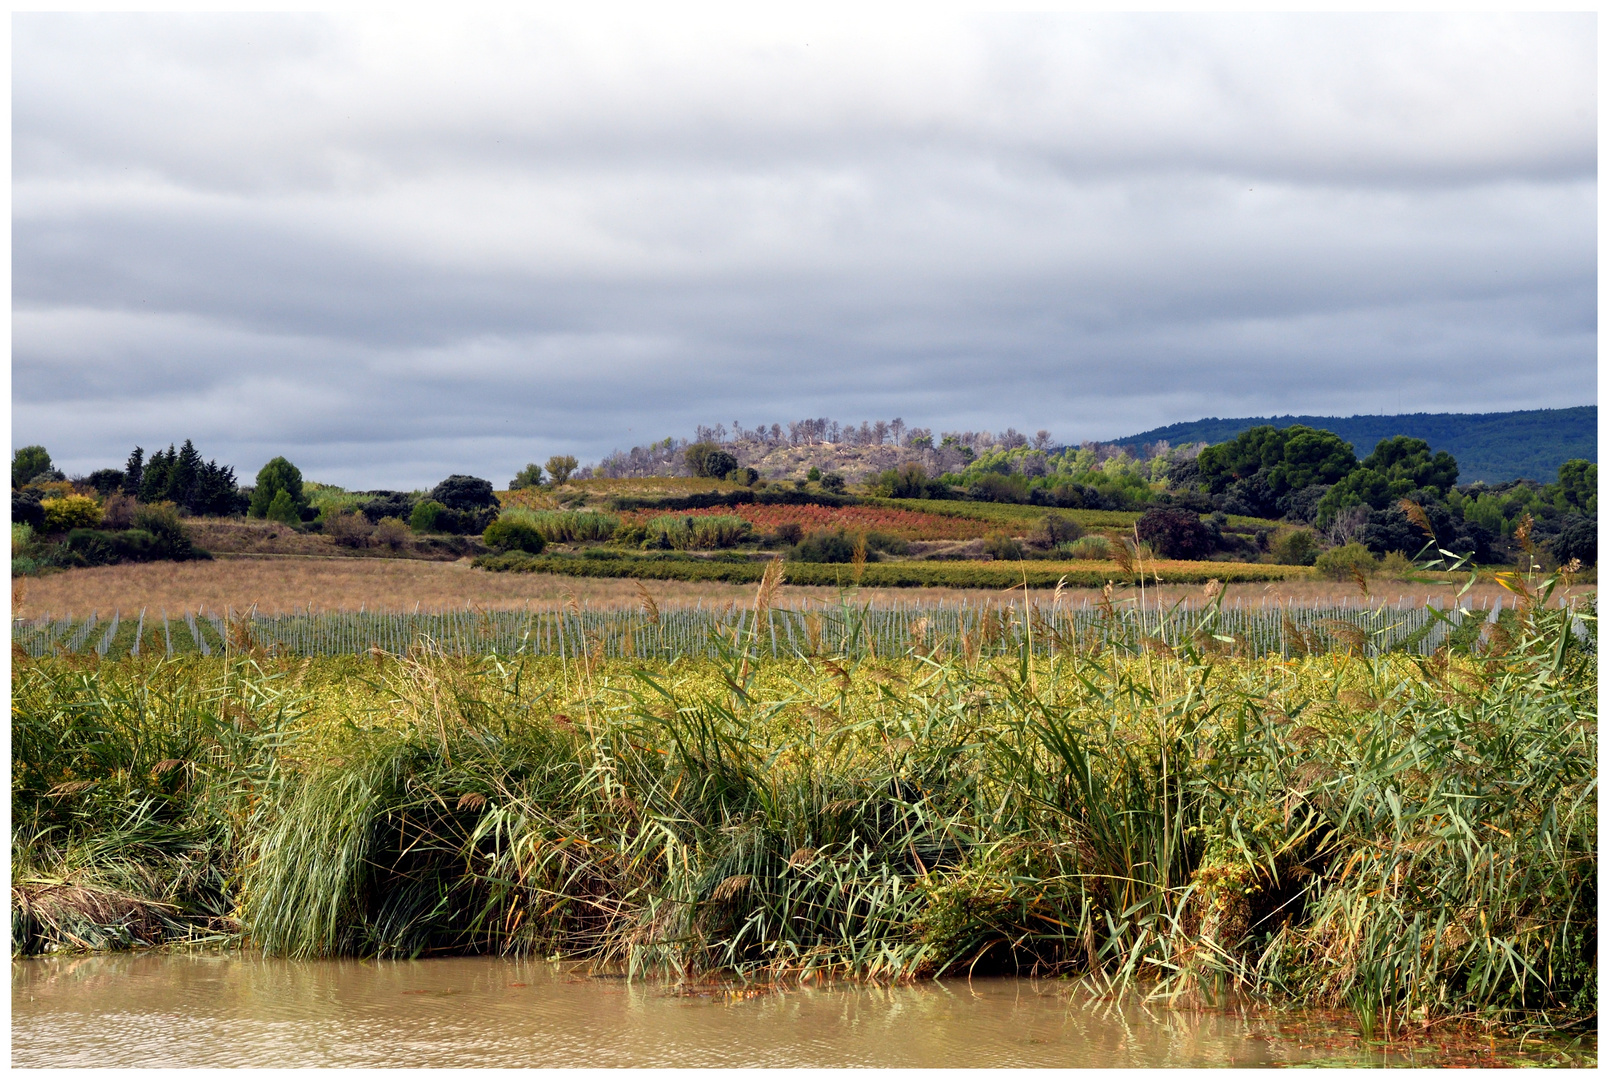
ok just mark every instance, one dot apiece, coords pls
pixel 1411 836
pixel 567 526
pixel 702 532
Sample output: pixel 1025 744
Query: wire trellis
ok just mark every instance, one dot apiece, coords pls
pixel 965 628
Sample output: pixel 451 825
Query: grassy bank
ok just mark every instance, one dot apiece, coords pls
pixel 1414 838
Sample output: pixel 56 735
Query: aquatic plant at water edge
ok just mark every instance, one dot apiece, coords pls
pixel 1413 834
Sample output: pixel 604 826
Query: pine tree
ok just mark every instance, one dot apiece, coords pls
pixel 28 463
pixel 132 472
pixel 277 476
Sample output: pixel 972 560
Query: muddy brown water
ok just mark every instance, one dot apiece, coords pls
pixel 239 1009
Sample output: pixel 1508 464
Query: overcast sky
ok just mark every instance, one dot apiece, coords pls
pixel 391 251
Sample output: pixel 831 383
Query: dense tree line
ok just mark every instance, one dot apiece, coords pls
pixel 1493 447
pixel 1306 485
pixel 181 477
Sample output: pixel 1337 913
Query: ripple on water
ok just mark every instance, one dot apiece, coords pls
pixel 231 1009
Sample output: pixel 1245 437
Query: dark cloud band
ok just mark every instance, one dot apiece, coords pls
pixel 397 251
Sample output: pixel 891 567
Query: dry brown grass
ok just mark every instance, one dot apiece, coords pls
pixel 294 584
pixel 234 536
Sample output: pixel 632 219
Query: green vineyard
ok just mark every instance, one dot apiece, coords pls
pixel 969 629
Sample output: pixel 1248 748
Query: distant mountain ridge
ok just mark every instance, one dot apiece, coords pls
pixel 1494 447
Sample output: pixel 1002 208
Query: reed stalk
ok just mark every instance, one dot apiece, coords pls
pixel 1412 836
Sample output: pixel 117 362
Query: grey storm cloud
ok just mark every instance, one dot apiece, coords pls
pixel 395 249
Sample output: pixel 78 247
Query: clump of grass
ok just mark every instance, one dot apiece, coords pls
pixel 700 532
pixel 130 793
pixel 567 526
pixel 1087 547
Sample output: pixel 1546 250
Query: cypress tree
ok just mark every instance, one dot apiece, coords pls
pixel 214 490
pixel 182 476
pixel 154 480
pixel 132 472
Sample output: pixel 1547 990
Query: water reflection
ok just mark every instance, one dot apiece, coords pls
pixel 241 1009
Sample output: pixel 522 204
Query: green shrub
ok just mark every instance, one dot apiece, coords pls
pixel 1055 530
pixel 883 542
pixel 425 515
pixel 1578 539
pixel 21 536
pixel 162 537
pixel 91 547
pixel 1089 547
pixel 513 534
pixel 283 508
pixel 161 520
pixel 162 517
pixel 993 487
pixel 274 478
pixel 814 475
pixel 630 535
pixel 388 504
pixel 908 481
pixel 106 481
pixel 833 483
pixel 464 493
pixel 744 475
pixel 1175 533
pixel 528 477
pixel 825 546
pixel 95 547
pixel 1294 548
pixel 465 522
pixel 329 499
pixel 391 532
pixel 1000 546
pixel 26 508
pixel 708 459
pixel 1337 564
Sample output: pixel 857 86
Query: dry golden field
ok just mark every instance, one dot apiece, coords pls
pixel 281 584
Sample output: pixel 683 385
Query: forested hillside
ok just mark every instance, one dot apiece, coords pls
pixel 1494 447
